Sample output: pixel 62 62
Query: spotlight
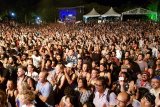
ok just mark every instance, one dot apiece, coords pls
pixel 13 14
pixel 38 20
pixel 70 15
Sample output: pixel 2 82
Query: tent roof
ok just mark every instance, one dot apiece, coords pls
pixel 92 13
pixel 111 12
pixel 138 11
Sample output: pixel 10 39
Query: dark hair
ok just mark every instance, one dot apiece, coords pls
pixel 151 98
pixel 141 55
pixel 142 91
pixel 33 82
pixel 72 99
pixel 84 81
pixel 104 81
pixel 14 59
pixel 69 91
pixel 89 104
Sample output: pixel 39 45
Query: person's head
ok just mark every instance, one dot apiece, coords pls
pixel 126 61
pixel 148 55
pixel 10 84
pixel 122 99
pixel 36 52
pixel 30 68
pixel 69 66
pixel 80 61
pixel 58 57
pixel 24 56
pixel 31 82
pixel 85 67
pixel 141 92
pixel 82 83
pixel 12 60
pixel 21 71
pixel 140 57
pixel 145 76
pixel 158 62
pixel 69 101
pixel 88 104
pixel 43 76
pixel 102 67
pixel 71 52
pixel 155 82
pixel 48 63
pixel 101 84
pixel 29 61
pixel 22 86
pixel 113 54
pixel 124 75
pixel 59 68
pixel 148 100
pixel 94 73
pixel 127 54
pixel 27 97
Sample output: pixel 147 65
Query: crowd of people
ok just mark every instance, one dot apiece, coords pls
pixel 112 64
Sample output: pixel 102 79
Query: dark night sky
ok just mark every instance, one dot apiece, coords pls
pixel 47 8
pixel 13 3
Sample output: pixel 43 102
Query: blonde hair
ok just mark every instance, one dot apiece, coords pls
pixel 27 96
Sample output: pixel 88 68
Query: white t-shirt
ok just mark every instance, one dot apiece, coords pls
pixel 33 75
pixel 101 101
pixel 36 61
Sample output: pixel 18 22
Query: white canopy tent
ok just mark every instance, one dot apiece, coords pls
pixel 92 13
pixel 111 12
pixel 138 11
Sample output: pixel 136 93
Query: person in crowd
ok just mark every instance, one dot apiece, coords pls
pixel 128 47
pixel 123 100
pixel 13 68
pixel 4 76
pixel 21 86
pixel 31 72
pixel 36 58
pixel 142 64
pixel 32 83
pixel 155 90
pixel 157 68
pixel 103 98
pixel 3 100
pixel 144 81
pixel 70 75
pixel 71 57
pixel 94 76
pixel 27 98
pixel 44 90
pixel 84 93
pixel 148 100
pixel 11 92
pixel 21 74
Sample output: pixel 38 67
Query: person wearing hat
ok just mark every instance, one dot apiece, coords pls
pixel 70 75
pixel 144 80
pixel 155 90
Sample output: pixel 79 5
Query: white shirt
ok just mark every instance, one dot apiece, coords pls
pixel 33 75
pixel 119 54
pixel 101 101
pixel 36 61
